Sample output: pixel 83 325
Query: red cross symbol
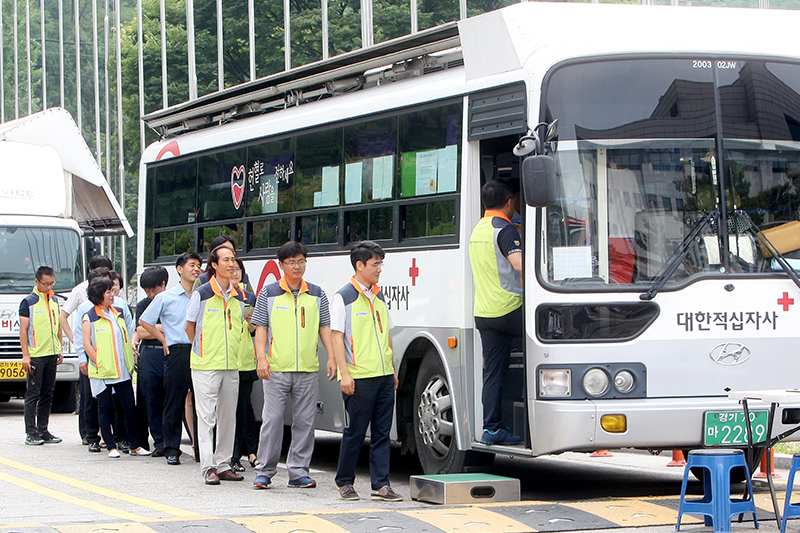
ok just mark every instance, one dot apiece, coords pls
pixel 785 301
pixel 413 272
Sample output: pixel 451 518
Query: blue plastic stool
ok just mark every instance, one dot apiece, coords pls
pixel 791 510
pixel 716 506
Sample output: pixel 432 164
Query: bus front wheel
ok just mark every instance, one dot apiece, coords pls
pixel 434 423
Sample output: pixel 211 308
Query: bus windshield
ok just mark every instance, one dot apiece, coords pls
pixel 640 169
pixel 23 250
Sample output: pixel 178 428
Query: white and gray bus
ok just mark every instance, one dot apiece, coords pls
pixel 647 294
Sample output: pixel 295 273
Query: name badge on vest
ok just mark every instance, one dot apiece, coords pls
pixel 211 310
pixel 40 312
pixel 282 308
pixel 362 313
pixel 98 330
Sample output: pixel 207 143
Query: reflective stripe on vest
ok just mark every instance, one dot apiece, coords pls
pixel 366 336
pixel 294 348
pixel 43 324
pixel 497 287
pixel 105 345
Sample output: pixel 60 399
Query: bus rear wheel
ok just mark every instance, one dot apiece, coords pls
pixel 434 422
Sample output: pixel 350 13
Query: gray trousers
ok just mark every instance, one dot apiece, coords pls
pixel 303 388
pixel 216 393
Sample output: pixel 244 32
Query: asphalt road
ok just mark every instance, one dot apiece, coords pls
pixel 65 484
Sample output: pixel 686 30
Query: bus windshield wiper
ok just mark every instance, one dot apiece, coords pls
pixel 677 257
pixel 761 238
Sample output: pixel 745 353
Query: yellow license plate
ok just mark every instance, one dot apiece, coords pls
pixel 11 370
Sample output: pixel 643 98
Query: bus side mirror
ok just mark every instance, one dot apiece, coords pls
pixel 539 180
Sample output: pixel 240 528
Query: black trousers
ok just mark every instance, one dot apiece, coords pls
pixel 87 410
pixel 177 383
pixel 496 337
pixel 247 430
pixel 122 401
pixel 151 381
pixel 39 394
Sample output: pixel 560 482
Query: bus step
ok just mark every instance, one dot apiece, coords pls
pixel 464 488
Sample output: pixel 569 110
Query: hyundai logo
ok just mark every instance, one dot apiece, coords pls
pixel 7 314
pixel 729 353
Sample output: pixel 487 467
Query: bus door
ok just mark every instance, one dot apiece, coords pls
pixel 498 162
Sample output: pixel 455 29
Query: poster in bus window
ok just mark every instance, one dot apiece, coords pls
pixel 427 165
pixel 352 182
pixel 329 195
pixel 382 177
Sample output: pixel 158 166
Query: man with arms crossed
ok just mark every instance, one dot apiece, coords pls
pixel 169 307
pixel 363 349
pixel 495 252
pixel 290 315
pixel 215 324
pixel 40 340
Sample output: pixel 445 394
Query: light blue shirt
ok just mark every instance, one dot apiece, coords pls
pixel 169 307
pixel 77 328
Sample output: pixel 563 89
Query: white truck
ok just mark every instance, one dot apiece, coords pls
pixel 52 193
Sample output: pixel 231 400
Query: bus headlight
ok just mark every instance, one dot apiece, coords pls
pixel 555 382
pixel 624 381
pixel 595 382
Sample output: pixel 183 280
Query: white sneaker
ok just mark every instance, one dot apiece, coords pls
pixel 140 452
pixel 114 454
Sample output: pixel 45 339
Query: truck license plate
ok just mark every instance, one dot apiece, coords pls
pixel 728 428
pixel 11 370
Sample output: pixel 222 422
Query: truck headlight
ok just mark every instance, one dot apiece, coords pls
pixel 595 382
pixel 555 382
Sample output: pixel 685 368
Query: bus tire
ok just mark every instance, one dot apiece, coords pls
pixel 65 397
pixel 434 422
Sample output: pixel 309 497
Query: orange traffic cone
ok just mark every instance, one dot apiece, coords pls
pixel 762 474
pixel 677 459
pixel 602 453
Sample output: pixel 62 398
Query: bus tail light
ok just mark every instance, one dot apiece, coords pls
pixel 555 382
pixel 614 423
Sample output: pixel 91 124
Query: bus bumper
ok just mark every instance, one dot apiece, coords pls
pixel 658 423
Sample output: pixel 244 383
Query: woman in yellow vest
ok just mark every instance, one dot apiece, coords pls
pixel 106 340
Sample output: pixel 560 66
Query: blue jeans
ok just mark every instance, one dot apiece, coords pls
pixel 372 405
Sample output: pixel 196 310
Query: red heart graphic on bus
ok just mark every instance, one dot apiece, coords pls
pixel 237 189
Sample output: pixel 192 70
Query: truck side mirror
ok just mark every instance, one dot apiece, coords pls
pixel 539 180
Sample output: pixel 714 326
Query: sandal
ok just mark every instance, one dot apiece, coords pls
pixel 253 460
pixel 236 466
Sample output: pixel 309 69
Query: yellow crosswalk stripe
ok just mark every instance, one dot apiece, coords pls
pixel 631 513
pixel 102 491
pixel 469 520
pixel 293 523
pixel 52 493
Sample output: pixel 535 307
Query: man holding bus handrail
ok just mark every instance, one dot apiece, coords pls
pixel 362 346
pixel 495 253
pixel 290 316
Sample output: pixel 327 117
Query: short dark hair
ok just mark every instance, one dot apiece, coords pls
pixel 100 261
pixel 184 258
pixel 152 277
pixel 221 240
pixel 99 272
pixel 290 249
pixel 97 289
pixel 213 257
pixel 114 275
pixel 496 193
pixel 44 271
pixel 364 251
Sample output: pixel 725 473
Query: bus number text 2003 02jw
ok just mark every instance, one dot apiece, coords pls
pixel 721 64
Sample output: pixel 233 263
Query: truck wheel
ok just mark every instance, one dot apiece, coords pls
pixel 65 397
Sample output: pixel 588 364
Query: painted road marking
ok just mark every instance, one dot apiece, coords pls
pixel 305 523
pixel 467 519
pixel 127 527
pixel 630 513
pixel 52 493
pixel 102 491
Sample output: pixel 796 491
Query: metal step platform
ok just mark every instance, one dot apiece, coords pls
pixel 464 488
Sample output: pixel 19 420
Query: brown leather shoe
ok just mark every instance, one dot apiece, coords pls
pixel 211 477
pixel 230 475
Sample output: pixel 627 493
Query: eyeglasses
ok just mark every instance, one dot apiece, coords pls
pixel 48 284
pixel 292 263
pixel 377 265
